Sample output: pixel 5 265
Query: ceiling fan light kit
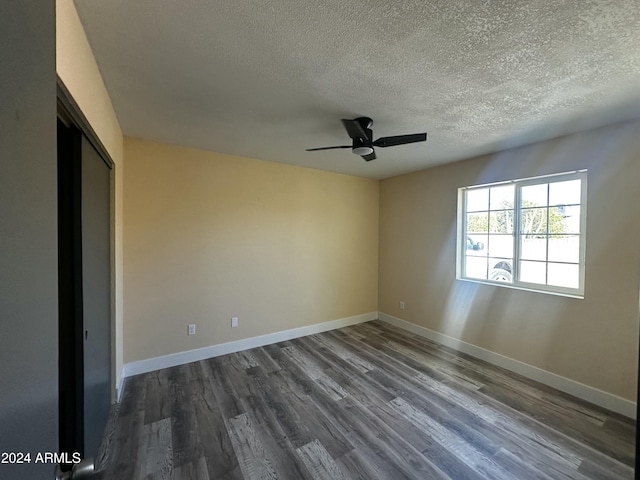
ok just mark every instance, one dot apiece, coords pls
pixel 362 150
pixel 359 129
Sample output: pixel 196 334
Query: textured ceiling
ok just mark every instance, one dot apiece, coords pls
pixel 269 79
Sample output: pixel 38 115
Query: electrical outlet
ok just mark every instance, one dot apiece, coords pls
pixel 192 329
pixel 234 322
pixel 401 305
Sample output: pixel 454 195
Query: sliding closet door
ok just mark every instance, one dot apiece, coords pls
pixel 84 292
pixel 96 295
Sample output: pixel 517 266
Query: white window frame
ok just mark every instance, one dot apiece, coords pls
pixel 516 283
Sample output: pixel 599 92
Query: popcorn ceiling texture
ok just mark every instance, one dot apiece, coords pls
pixel 269 79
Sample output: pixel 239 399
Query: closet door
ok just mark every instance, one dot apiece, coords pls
pixel 84 242
pixel 96 295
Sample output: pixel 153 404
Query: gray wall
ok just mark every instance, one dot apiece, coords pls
pixel 591 341
pixel 28 235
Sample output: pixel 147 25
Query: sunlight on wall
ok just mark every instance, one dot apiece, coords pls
pixel 458 308
pixel 593 341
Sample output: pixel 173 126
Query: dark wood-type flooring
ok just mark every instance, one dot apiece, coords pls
pixel 365 402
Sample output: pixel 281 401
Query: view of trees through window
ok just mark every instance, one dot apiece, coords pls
pixel 535 221
pixel 525 232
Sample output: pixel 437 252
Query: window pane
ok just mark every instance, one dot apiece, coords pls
pixel 565 248
pixel 533 272
pixel 533 221
pixel 500 246
pixel 557 222
pixel 570 220
pixel 476 267
pixel 502 197
pixel 534 195
pixel 546 223
pixel 477 199
pixel 478 222
pixel 564 193
pixel 501 222
pixel 563 275
pixel 500 270
pixel 533 248
pixel 477 245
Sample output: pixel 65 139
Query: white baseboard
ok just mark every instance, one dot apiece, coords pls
pixel 172 360
pixel 590 394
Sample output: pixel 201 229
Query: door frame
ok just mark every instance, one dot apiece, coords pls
pixel 70 114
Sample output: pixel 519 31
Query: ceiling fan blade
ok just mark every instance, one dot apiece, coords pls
pixel 400 140
pixel 328 148
pixel 368 158
pixel 355 130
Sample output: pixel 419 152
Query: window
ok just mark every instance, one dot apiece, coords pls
pixel 525 233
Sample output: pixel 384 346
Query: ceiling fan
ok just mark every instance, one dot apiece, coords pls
pixel 360 132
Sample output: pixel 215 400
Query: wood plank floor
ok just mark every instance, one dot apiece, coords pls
pixel 365 402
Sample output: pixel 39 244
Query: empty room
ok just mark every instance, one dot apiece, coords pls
pixel 320 240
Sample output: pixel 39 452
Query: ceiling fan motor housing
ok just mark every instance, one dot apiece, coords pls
pixel 362 146
pixel 366 124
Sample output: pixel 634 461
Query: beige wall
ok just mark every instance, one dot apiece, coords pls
pixel 77 68
pixel 593 341
pixel 210 236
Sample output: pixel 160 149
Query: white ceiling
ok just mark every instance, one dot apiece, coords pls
pixel 267 79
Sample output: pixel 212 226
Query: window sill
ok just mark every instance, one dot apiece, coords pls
pixel 577 295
